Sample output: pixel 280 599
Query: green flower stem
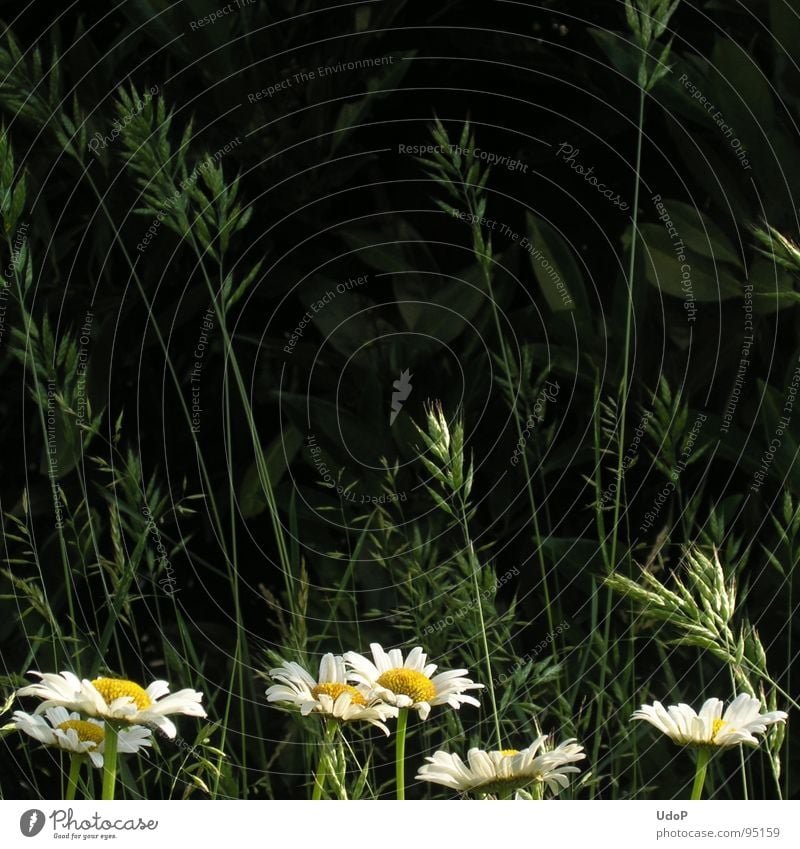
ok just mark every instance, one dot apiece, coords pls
pixel 72 781
pixel 110 760
pixel 703 756
pixel 322 766
pixel 400 752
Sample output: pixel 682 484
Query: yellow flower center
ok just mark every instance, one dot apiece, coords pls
pixel 336 690
pixel 115 688
pixel 87 732
pixel 716 726
pixel 509 752
pixel 408 682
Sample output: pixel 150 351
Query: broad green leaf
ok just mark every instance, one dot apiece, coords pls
pixel 666 271
pixel 773 287
pixel 622 52
pixel 740 90
pixel 784 18
pixel 700 233
pixel 438 306
pixel 555 267
pixel 345 318
pixel 377 251
pixel 279 454
pixel 383 81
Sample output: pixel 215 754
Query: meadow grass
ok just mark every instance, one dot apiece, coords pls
pixel 567 639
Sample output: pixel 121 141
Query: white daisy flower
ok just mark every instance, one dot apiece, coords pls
pixel 68 731
pixel 711 727
pixel 329 695
pixel 115 699
pixel 408 684
pixel 503 772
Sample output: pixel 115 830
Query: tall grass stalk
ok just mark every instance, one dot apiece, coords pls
pixel 208 486
pixel 487 654
pixel 464 179
pixel 241 658
pixel 54 489
pixel 448 468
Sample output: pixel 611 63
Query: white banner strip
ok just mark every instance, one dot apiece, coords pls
pixel 561 824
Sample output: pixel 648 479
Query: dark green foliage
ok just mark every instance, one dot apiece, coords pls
pixel 273 387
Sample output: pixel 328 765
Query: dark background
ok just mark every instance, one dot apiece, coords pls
pixel 528 77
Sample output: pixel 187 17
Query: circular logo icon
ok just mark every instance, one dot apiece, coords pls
pixel 31 822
